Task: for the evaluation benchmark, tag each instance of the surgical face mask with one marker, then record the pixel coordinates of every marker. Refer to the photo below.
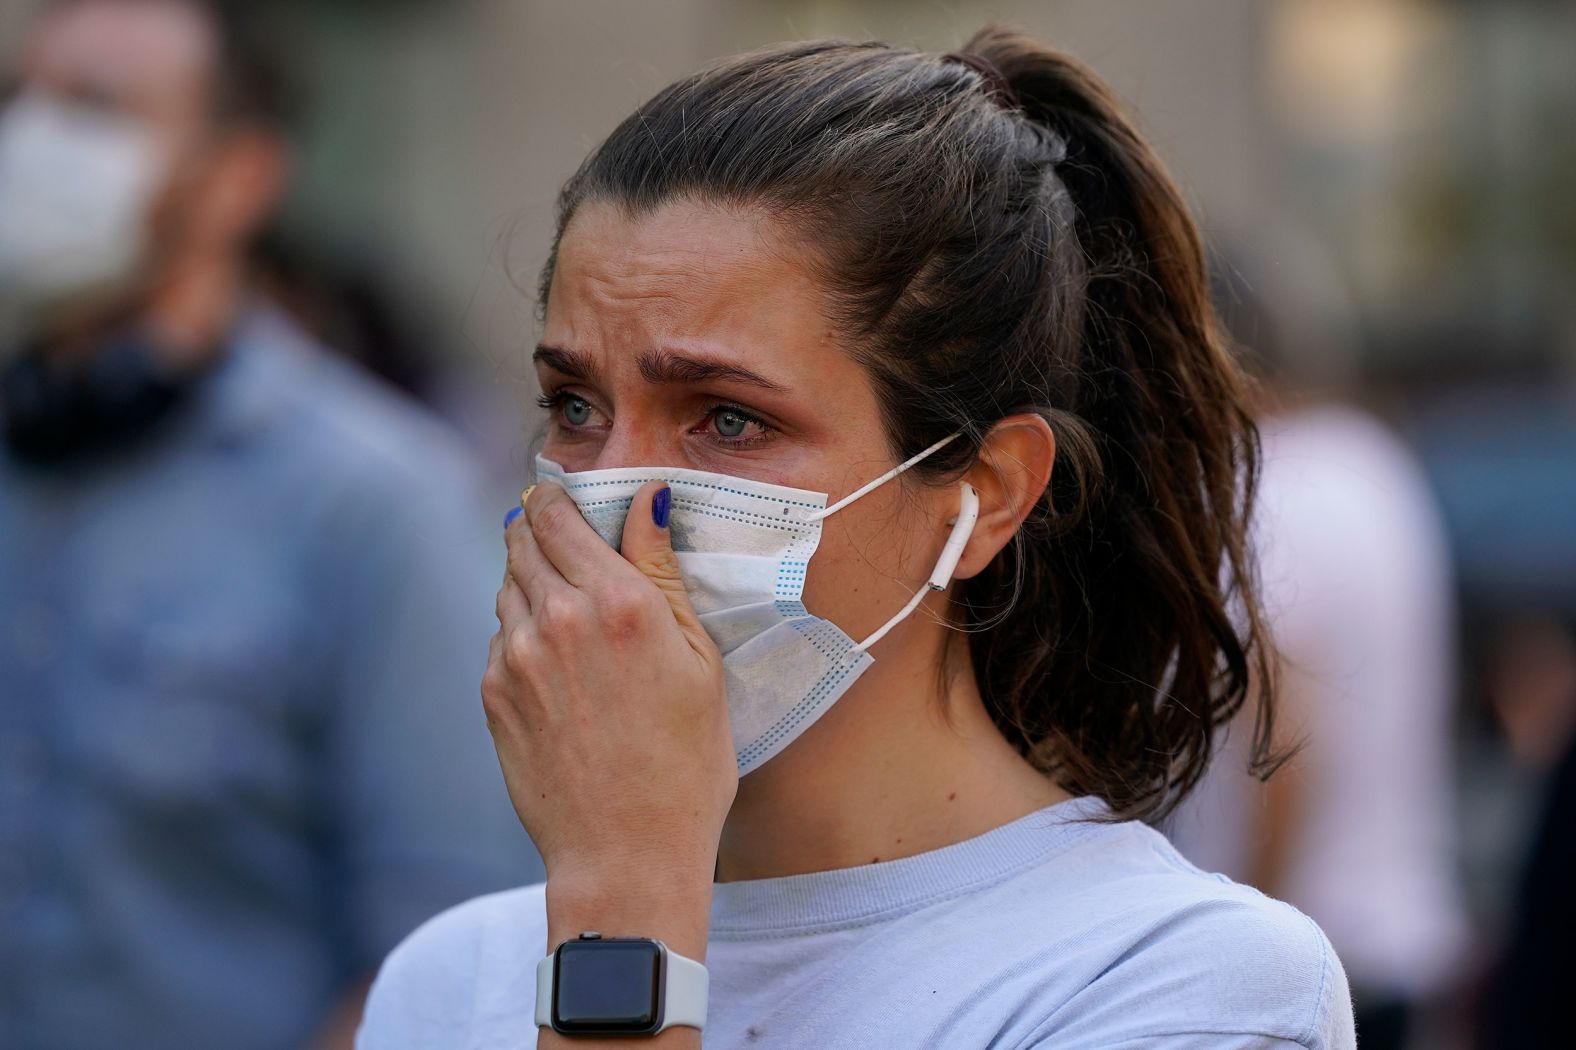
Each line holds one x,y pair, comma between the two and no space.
744,548
75,189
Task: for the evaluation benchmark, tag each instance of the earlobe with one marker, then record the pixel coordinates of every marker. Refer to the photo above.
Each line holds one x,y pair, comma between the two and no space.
1011,474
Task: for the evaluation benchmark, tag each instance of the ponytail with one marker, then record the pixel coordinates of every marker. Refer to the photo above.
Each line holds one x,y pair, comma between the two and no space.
1147,658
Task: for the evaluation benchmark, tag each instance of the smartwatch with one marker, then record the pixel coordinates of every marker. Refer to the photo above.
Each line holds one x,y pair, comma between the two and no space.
595,985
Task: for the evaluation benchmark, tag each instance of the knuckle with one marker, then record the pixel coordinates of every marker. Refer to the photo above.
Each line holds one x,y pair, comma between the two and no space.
516,562
495,695
625,611
554,518
517,652
560,618
661,565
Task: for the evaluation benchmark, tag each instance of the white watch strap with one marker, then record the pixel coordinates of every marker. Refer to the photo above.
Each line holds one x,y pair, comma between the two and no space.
688,992
689,989
544,993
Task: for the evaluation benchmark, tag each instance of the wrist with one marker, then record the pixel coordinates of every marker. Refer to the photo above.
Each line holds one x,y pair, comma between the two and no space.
672,907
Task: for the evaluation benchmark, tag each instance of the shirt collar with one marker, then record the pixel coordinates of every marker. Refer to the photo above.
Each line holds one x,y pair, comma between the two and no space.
248,386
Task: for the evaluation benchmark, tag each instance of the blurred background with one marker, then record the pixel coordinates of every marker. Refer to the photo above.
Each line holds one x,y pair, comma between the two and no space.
1386,186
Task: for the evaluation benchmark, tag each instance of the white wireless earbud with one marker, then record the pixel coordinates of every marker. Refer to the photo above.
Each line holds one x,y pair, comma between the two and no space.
962,529
946,565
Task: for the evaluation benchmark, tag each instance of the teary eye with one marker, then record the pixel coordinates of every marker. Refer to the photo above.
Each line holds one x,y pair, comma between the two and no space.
730,423
577,411
734,426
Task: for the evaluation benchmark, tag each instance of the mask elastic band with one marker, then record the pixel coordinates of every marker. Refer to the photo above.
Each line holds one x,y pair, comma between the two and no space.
871,486
946,565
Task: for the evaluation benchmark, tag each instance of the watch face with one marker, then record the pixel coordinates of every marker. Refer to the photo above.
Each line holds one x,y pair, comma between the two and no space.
607,986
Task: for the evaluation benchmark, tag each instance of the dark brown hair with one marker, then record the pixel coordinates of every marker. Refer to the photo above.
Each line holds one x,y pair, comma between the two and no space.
994,245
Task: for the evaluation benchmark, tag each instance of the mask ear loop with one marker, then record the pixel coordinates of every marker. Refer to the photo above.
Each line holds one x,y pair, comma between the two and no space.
946,565
870,486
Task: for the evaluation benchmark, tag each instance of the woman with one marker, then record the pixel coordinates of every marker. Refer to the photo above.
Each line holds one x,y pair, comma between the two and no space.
911,359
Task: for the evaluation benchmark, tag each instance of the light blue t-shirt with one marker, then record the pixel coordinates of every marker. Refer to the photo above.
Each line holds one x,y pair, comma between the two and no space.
1052,931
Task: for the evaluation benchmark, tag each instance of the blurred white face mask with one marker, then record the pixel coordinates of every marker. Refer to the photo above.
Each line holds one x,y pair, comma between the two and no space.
744,548
75,189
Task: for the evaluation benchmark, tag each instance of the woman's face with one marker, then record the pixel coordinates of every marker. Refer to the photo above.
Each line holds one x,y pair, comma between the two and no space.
696,336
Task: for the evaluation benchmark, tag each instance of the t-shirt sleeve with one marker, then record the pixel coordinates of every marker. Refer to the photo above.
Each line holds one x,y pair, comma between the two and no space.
423,820
475,960
1245,973
417,999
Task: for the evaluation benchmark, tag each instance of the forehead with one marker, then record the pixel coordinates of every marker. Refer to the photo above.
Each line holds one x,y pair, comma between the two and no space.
148,56
685,270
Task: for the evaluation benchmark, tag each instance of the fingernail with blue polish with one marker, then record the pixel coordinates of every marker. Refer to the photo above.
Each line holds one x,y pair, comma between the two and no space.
662,506
514,512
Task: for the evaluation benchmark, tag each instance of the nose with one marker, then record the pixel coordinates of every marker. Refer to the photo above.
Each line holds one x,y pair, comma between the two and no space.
631,444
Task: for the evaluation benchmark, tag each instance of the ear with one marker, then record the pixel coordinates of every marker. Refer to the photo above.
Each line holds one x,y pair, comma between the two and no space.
1013,468
242,188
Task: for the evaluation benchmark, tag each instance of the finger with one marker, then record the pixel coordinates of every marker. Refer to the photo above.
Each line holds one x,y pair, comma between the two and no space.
648,546
512,606
497,708
573,548
528,567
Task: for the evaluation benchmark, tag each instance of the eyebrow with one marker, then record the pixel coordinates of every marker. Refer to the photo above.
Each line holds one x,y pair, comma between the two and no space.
666,366
571,363
656,366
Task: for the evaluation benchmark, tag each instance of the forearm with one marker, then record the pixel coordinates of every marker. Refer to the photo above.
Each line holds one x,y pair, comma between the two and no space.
622,768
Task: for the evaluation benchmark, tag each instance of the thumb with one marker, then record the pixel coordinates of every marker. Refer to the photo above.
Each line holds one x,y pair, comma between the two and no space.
648,546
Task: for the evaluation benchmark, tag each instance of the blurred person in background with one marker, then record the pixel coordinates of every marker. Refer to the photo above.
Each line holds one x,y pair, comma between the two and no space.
245,592
1356,574
1531,684
352,302
1499,441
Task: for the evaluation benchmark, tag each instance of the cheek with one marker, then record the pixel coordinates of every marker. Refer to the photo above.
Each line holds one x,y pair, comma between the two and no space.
573,456
867,566
180,199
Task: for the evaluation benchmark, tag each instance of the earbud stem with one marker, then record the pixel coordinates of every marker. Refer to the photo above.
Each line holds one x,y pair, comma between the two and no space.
946,565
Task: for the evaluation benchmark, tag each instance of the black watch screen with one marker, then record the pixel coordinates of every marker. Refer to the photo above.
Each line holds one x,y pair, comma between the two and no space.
607,986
